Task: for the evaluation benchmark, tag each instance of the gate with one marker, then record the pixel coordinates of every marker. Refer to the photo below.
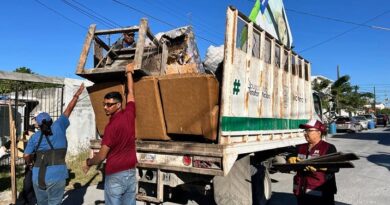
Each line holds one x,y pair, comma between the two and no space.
27,94
22,95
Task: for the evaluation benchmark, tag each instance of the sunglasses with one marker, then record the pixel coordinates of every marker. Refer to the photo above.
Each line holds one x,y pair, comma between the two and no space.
109,104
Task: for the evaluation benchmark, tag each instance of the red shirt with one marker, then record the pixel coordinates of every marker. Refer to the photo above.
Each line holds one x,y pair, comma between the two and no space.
119,136
325,182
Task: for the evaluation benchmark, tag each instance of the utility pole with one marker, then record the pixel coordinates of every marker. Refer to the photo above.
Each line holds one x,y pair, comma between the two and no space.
374,101
338,72
337,94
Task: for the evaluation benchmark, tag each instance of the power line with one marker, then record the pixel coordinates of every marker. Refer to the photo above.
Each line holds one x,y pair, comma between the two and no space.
343,33
58,13
99,15
157,19
339,20
88,14
204,27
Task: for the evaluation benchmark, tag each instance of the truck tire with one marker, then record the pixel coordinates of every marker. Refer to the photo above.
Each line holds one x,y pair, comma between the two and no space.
236,187
261,185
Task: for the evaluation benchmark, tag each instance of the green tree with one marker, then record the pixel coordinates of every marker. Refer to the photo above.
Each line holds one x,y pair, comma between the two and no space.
339,90
24,70
321,87
7,86
347,96
385,111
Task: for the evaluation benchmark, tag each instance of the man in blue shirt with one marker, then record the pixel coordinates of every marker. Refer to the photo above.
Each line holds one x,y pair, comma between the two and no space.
49,144
128,41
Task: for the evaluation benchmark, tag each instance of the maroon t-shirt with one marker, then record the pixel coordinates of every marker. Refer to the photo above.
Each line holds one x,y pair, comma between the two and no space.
119,136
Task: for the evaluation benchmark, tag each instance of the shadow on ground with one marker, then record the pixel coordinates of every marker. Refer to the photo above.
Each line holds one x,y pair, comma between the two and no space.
280,198
381,159
383,138
76,195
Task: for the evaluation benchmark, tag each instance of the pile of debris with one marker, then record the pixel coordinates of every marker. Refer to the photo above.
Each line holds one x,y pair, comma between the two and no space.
175,98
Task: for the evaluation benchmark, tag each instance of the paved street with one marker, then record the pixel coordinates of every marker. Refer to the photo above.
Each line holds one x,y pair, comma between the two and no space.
368,183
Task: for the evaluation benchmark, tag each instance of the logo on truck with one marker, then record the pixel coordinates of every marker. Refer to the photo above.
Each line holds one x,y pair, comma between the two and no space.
236,87
253,89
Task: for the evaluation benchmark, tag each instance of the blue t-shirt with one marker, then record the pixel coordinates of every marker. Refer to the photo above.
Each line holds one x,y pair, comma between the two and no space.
58,140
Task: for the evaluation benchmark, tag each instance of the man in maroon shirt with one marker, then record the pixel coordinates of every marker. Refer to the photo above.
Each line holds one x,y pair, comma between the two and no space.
118,147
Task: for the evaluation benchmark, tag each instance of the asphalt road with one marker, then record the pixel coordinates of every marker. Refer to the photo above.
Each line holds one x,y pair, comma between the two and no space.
367,183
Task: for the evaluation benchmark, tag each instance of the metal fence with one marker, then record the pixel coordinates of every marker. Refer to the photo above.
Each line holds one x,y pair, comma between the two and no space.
27,94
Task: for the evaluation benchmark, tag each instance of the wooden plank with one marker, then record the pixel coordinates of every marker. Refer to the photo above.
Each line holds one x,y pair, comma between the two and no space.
317,165
334,157
111,52
152,37
13,155
160,185
117,30
140,44
148,199
203,171
98,52
85,51
101,43
184,148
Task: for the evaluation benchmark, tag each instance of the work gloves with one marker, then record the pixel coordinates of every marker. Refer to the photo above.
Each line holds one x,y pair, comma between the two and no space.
293,160
310,169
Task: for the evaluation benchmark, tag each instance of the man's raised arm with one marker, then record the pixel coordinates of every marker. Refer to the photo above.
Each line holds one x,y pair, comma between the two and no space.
130,84
73,102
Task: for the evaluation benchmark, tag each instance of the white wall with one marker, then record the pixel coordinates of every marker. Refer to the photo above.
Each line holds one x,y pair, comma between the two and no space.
82,120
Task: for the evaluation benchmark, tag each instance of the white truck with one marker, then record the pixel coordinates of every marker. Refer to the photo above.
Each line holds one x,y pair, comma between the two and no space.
265,93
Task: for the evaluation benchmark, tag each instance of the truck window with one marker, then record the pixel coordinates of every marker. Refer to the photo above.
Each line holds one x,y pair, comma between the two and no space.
256,44
317,105
293,68
300,67
306,71
285,61
277,56
267,51
242,35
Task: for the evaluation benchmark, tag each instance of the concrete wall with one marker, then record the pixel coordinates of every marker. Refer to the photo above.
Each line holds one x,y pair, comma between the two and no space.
82,120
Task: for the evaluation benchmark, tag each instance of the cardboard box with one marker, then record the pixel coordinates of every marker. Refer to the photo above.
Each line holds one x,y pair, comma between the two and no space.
190,104
150,122
96,94
149,114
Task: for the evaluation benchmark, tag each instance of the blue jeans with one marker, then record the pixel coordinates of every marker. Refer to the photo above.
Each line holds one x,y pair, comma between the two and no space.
53,193
120,188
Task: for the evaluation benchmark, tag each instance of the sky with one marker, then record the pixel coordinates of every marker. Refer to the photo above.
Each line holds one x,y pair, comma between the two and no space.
47,35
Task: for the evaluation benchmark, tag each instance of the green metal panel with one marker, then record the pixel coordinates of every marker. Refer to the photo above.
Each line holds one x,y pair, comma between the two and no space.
258,124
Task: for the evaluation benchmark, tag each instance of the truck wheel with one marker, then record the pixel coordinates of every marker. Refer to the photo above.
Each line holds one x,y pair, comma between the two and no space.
235,188
261,185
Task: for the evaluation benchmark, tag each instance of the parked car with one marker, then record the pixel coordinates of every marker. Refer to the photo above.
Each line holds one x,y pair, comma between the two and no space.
372,118
362,121
382,119
348,124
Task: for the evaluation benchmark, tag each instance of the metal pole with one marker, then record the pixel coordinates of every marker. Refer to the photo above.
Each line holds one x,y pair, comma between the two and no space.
374,101
16,106
62,97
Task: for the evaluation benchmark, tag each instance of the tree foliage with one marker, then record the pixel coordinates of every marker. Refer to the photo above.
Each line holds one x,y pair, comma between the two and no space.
342,95
8,86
